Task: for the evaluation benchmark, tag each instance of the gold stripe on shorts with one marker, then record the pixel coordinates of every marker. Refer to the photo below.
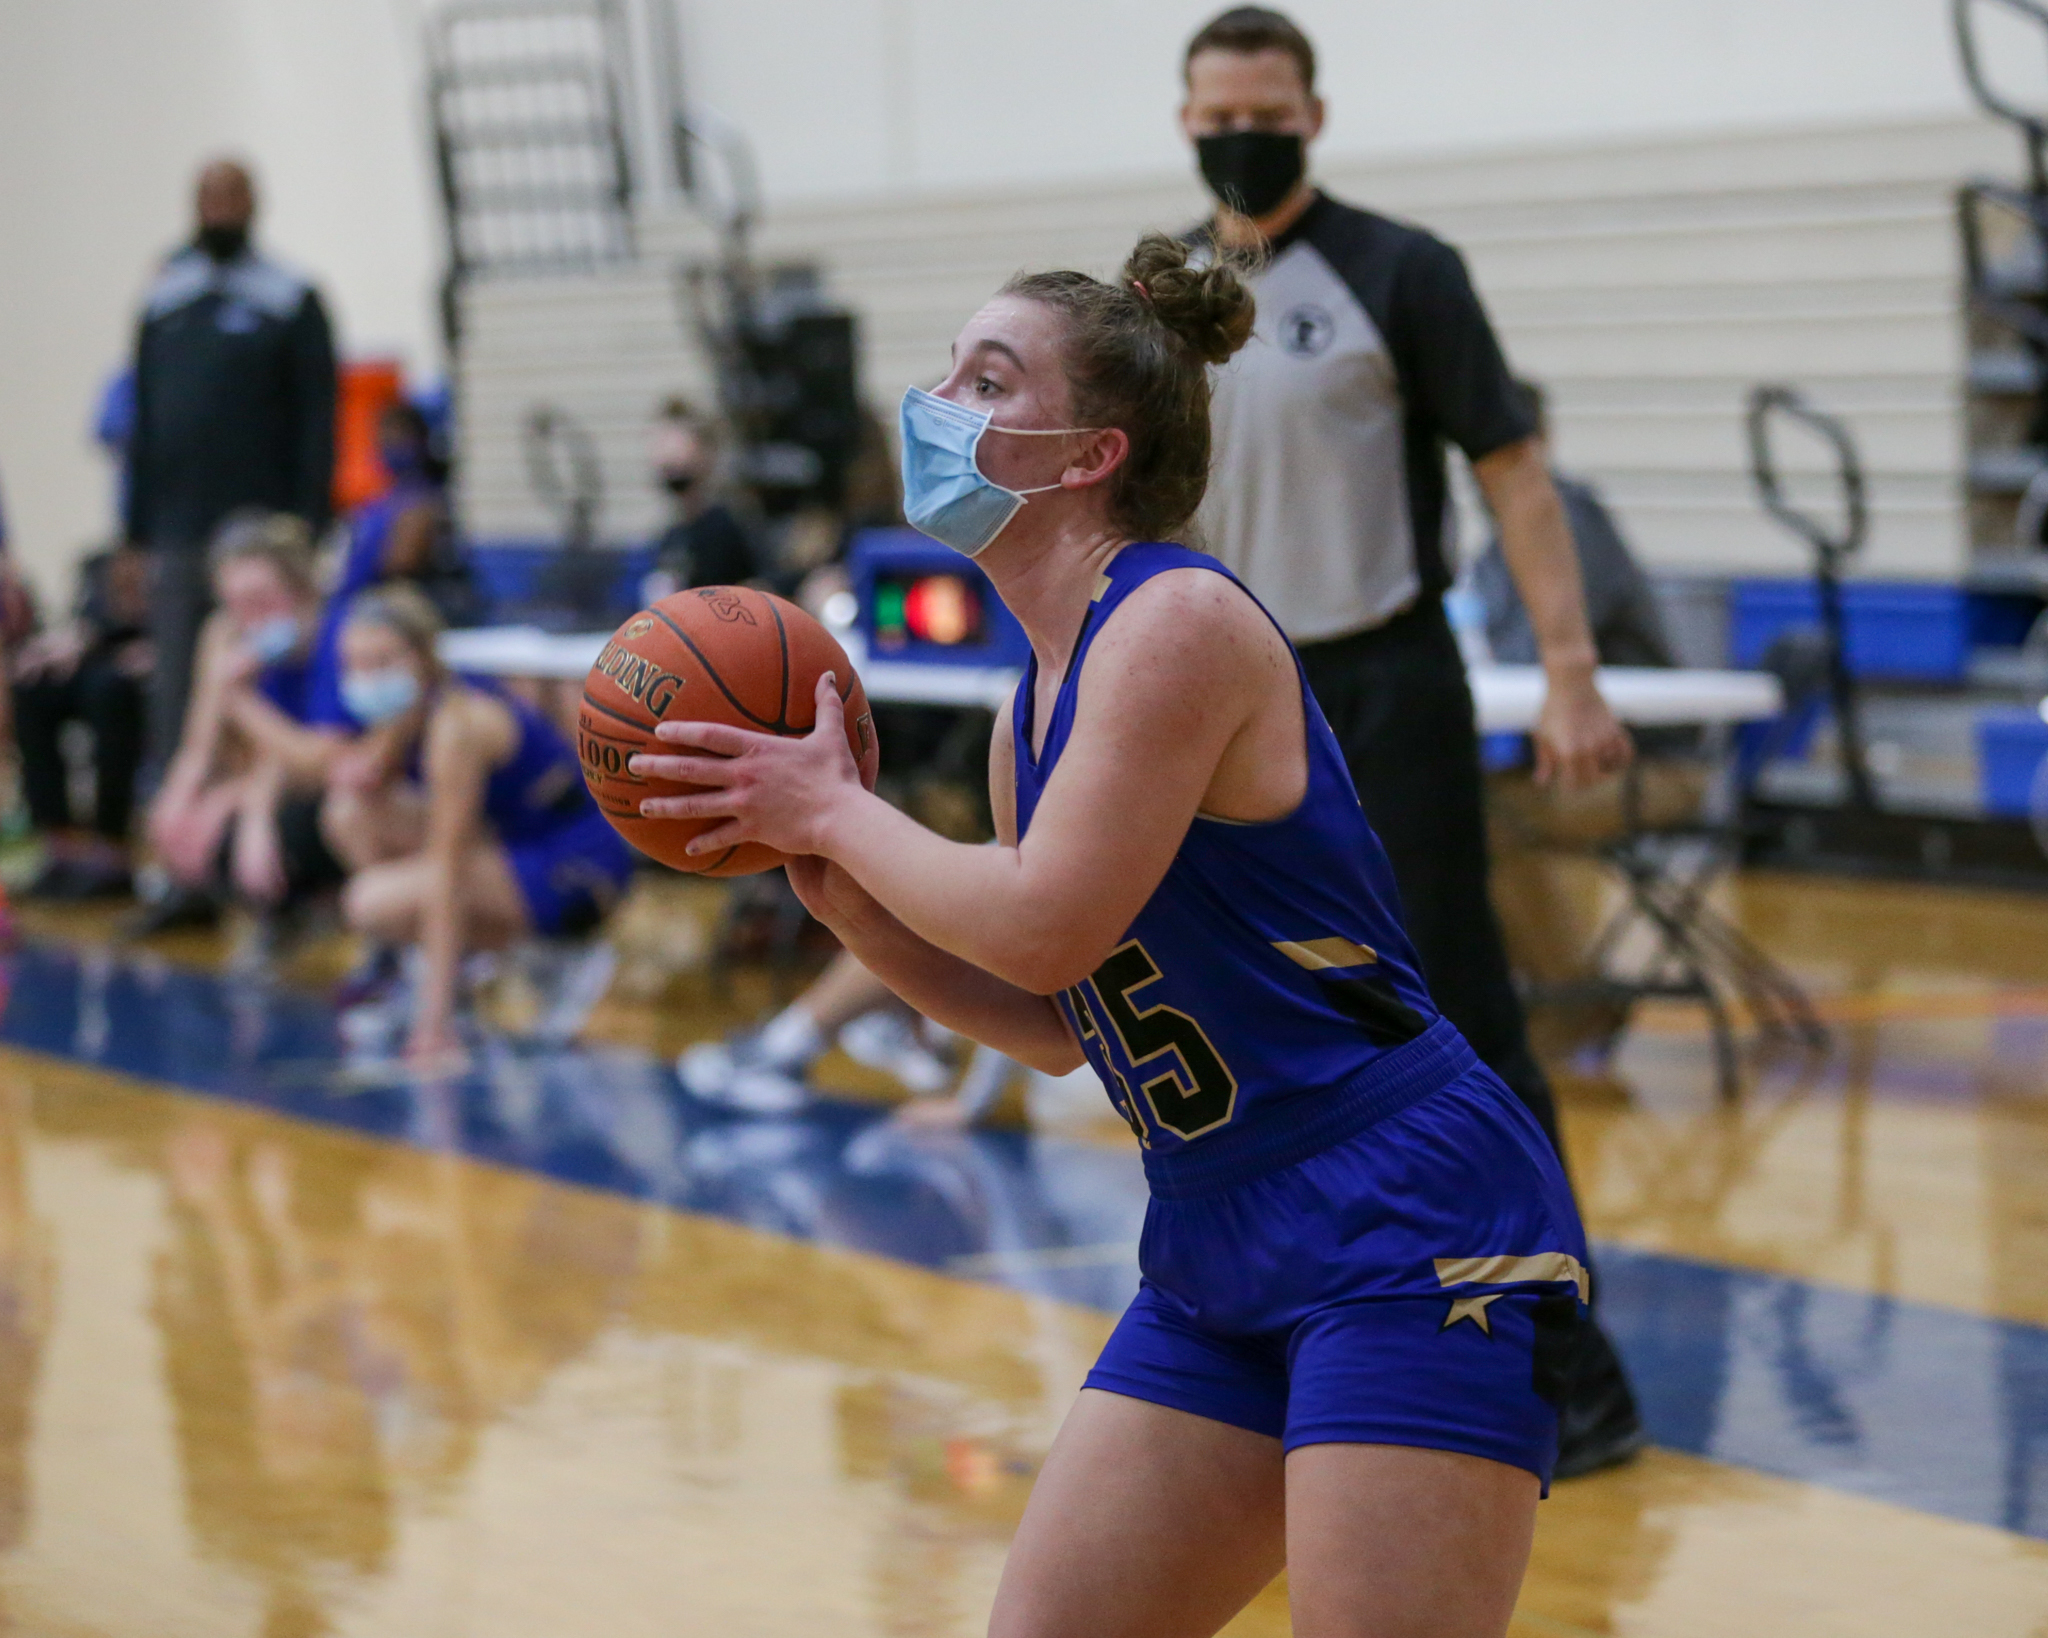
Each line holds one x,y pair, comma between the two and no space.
1545,1268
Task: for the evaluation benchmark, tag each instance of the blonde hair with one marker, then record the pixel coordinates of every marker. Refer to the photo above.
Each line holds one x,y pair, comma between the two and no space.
405,612
1135,353
276,538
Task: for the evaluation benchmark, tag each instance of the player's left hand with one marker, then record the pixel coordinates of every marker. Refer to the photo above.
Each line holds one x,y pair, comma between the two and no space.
831,894
1578,741
773,790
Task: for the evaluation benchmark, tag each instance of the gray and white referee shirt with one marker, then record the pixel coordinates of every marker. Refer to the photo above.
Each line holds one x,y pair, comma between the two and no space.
1327,494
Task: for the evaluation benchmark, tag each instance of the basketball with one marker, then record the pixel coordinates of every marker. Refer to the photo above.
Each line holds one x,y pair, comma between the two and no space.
716,654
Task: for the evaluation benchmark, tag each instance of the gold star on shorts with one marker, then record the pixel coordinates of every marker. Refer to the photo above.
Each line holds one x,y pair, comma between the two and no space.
1473,1309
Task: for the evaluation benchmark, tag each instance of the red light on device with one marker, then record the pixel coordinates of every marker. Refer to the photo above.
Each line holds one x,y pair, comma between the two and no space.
942,609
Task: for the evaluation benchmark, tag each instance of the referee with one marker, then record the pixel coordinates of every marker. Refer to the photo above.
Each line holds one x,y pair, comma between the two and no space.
1329,499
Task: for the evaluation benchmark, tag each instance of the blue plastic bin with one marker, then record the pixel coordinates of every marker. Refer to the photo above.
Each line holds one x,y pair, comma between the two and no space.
2002,619
1895,629
2010,745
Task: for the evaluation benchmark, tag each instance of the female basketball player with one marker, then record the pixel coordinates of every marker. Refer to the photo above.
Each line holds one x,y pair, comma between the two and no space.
265,721
1361,1262
462,815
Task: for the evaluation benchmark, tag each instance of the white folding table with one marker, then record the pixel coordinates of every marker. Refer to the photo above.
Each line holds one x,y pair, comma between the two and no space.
1701,955
1508,697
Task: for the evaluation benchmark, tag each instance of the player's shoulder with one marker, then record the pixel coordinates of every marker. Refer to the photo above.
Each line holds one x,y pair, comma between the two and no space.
1193,610
471,721
275,289
184,277
256,279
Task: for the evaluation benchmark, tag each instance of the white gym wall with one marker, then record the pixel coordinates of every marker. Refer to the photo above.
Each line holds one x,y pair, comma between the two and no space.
107,109
1571,145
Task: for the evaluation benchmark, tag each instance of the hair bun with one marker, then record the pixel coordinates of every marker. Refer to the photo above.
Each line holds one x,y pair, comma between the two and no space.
1210,308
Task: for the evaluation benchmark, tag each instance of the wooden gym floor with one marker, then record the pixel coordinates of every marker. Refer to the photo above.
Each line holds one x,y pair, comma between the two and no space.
293,1347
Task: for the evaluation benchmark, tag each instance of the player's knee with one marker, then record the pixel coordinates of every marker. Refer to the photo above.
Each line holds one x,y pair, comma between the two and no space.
380,903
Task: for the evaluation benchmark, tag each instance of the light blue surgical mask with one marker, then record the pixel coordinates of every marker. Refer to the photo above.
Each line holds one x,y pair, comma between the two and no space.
269,641
945,494
372,697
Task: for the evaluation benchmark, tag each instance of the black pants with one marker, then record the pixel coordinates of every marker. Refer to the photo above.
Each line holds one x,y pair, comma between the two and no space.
180,598
310,868
110,703
1398,702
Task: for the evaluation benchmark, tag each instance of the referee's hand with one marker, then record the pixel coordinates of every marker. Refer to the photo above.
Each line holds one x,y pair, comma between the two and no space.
1578,740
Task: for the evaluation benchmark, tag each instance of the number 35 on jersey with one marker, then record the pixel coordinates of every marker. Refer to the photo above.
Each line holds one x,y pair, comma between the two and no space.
1182,1083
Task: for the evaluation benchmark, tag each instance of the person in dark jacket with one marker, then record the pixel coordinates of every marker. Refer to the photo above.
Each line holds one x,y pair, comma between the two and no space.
90,671
234,408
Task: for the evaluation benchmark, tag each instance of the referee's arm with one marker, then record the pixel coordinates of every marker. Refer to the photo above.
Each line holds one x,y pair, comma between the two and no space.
1466,389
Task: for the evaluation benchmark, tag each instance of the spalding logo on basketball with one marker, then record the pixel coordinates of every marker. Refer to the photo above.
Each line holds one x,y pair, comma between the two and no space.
717,654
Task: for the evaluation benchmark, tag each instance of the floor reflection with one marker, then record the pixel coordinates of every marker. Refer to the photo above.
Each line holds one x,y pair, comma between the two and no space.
390,1377
798,1375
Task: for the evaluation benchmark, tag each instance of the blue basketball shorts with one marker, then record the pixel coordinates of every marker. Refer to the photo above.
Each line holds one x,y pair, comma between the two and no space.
571,876
1416,1283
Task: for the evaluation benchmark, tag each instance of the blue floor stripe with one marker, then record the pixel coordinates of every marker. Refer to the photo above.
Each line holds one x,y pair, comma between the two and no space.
1921,1406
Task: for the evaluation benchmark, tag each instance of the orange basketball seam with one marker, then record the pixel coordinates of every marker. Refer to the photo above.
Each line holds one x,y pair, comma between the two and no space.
616,792
782,641
711,671
617,716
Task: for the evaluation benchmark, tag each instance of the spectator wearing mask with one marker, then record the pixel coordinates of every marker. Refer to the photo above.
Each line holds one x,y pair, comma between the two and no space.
705,544
265,724
407,533
234,408
91,671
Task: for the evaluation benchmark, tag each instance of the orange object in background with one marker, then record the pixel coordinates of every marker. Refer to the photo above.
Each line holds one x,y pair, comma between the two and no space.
367,389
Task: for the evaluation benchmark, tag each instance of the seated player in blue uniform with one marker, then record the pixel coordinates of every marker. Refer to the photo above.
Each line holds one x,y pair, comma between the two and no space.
1361,1263
407,533
465,822
264,724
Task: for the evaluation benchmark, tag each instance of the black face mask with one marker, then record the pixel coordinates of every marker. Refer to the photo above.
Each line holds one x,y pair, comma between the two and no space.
224,244
1251,171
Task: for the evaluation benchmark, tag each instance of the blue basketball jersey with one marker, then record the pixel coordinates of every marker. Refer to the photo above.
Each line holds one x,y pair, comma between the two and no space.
537,790
1268,981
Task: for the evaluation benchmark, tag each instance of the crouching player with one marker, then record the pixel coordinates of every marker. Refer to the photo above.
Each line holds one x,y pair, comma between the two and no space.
464,820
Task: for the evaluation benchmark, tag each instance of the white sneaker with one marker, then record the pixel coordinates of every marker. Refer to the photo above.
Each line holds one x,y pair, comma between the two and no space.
571,979
376,1028
735,1074
886,1040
